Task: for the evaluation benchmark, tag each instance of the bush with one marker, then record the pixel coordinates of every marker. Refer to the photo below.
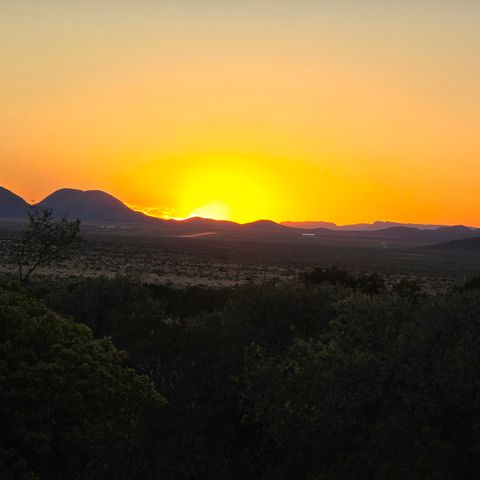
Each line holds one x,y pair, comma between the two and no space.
470,284
69,408
332,275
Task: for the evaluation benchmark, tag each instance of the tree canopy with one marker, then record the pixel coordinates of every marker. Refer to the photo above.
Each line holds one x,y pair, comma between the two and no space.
69,407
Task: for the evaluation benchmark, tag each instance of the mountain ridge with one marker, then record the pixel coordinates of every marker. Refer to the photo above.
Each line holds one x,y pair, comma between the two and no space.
376,225
91,206
97,206
471,245
12,206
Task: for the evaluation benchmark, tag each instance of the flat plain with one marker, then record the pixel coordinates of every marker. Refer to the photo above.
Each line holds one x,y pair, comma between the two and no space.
226,261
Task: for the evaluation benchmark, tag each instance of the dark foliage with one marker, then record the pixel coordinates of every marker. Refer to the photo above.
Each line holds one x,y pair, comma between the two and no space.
331,275
368,283
69,408
472,283
334,377
407,288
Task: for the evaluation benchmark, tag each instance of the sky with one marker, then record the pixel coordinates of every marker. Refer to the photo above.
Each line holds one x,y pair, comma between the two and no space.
345,111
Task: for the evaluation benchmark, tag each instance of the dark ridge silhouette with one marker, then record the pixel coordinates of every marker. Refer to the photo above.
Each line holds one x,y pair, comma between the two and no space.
92,206
206,222
97,207
464,245
375,226
311,225
265,226
458,229
12,206
409,234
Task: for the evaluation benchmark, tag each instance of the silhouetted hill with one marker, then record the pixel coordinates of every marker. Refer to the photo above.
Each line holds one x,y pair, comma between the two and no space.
206,222
457,230
465,245
381,225
92,206
409,234
12,206
265,226
364,227
95,206
311,225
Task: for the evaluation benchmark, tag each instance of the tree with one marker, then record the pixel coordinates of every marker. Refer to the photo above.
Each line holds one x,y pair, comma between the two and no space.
69,407
333,275
407,288
471,284
44,239
391,391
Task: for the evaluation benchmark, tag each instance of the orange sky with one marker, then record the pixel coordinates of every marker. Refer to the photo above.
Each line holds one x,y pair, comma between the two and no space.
288,110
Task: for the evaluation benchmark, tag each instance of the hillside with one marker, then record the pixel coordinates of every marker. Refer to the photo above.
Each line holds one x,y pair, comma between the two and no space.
375,226
12,206
92,206
464,245
409,234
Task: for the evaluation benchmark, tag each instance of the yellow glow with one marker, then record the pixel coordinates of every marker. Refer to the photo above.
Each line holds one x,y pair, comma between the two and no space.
347,114
224,188
215,210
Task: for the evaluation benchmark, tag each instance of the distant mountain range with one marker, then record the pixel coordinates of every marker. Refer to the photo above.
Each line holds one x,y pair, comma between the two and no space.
471,245
378,225
99,208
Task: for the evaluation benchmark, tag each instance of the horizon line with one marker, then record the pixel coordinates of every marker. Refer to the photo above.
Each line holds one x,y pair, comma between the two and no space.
145,211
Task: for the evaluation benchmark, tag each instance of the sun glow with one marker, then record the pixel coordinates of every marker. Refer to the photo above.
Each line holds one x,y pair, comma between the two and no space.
346,114
225,189
215,210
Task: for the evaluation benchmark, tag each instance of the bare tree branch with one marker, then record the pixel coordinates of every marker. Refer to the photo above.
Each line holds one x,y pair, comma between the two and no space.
44,239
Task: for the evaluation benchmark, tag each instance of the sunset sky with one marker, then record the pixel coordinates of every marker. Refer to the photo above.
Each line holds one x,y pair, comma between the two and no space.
343,111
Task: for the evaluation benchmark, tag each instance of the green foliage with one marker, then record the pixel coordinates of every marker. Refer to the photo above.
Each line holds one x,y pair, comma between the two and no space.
274,316
340,377
391,391
69,408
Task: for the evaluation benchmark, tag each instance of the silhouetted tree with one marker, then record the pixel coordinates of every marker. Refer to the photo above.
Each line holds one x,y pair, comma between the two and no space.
44,239
332,275
407,288
371,283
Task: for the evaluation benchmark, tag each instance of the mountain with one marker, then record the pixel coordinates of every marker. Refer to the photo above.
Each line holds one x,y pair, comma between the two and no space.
209,223
12,206
409,234
265,226
92,206
381,225
311,225
378,225
95,206
464,245
205,222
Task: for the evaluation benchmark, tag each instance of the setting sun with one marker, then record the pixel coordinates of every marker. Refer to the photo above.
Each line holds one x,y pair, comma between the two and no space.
284,110
240,240
224,188
215,210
